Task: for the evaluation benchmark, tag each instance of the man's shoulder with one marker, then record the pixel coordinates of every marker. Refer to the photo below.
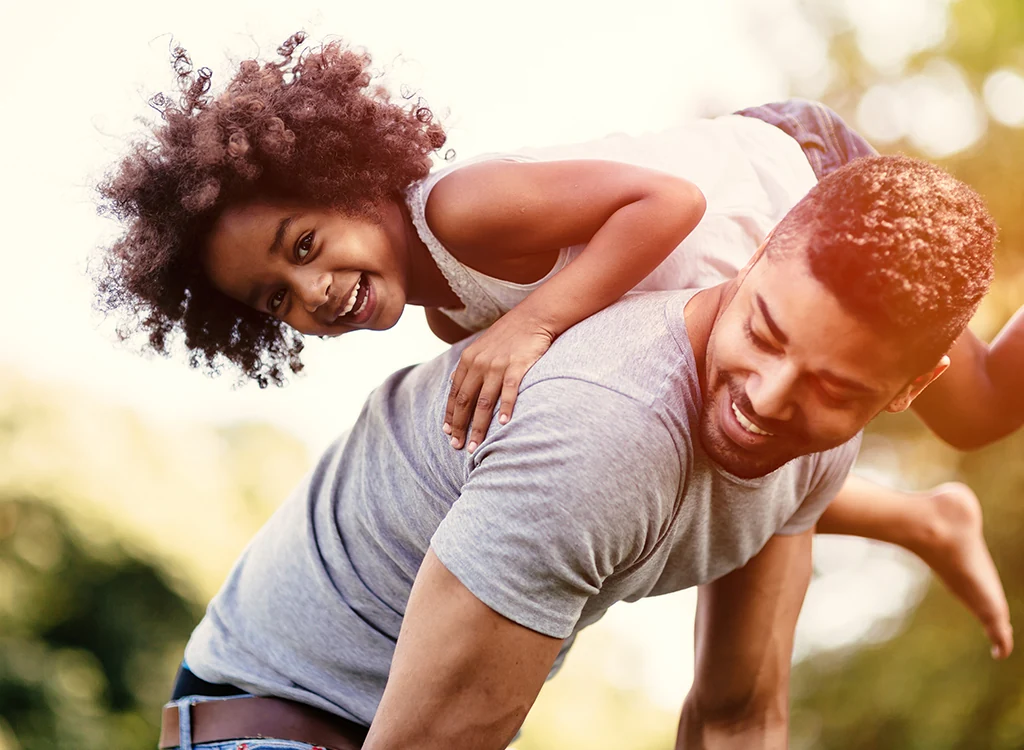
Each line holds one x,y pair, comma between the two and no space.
836,463
632,348
841,457
814,470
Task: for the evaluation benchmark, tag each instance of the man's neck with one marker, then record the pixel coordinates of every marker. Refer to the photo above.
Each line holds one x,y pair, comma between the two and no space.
700,314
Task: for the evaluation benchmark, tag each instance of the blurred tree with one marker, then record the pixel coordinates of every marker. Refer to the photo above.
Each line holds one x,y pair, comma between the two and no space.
90,635
98,590
917,78
933,685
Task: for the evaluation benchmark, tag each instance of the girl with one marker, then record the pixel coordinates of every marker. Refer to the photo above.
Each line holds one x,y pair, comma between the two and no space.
300,201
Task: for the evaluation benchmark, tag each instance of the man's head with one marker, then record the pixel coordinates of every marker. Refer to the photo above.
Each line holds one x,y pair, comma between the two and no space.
848,311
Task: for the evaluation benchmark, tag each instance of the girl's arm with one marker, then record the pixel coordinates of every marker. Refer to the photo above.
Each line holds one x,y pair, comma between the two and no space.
444,327
980,398
496,214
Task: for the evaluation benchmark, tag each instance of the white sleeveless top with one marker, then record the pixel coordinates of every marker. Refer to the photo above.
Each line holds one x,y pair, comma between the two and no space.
751,174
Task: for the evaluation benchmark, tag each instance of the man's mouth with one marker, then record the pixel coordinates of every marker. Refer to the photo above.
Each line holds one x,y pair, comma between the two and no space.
740,429
746,424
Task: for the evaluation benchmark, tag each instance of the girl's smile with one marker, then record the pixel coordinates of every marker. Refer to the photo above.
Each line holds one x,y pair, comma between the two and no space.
320,271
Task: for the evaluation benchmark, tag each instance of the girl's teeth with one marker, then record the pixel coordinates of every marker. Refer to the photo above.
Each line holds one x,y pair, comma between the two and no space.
351,301
363,305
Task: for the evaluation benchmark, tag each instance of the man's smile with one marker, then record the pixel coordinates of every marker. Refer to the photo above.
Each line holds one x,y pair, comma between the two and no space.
739,428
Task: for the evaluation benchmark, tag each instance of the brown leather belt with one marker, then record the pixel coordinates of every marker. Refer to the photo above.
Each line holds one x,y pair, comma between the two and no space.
262,718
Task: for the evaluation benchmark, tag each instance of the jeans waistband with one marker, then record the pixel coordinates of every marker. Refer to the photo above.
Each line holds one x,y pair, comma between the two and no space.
827,141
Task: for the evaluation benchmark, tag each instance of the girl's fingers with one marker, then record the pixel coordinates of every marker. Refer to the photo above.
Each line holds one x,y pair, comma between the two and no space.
449,410
510,391
465,399
485,403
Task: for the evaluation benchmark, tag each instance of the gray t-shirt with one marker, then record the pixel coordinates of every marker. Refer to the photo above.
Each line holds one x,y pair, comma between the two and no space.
595,492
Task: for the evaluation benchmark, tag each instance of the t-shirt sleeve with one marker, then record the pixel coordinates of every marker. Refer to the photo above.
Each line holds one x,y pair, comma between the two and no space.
580,484
832,469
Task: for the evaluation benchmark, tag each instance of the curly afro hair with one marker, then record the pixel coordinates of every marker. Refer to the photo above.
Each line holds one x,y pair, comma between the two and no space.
308,127
901,244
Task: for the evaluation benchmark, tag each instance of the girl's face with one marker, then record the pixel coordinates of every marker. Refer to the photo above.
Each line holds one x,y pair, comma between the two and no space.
322,272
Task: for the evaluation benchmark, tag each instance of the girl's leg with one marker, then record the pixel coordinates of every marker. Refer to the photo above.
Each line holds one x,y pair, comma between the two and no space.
942,526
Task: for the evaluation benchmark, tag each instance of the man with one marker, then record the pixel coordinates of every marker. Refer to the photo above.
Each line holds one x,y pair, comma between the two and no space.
673,440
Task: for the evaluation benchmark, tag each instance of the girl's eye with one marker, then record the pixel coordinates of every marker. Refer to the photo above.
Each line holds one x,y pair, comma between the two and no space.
275,301
304,246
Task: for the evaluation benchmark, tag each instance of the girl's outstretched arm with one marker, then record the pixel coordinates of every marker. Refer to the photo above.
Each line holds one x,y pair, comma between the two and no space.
980,398
499,216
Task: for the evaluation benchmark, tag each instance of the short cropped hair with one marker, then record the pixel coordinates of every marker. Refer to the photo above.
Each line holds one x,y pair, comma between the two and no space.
901,243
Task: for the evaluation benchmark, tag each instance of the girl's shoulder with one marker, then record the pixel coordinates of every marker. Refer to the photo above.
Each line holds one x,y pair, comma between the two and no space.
424,186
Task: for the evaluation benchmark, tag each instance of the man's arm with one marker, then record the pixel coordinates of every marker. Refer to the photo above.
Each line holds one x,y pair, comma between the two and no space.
463,676
744,644
579,486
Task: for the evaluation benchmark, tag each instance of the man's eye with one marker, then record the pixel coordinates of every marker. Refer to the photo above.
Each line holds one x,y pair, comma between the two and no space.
304,246
759,342
275,301
834,398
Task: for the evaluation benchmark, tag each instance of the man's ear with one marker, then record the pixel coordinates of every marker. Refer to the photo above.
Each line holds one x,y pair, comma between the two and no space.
913,389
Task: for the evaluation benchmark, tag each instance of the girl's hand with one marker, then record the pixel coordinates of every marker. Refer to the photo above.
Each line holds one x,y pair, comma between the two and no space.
489,373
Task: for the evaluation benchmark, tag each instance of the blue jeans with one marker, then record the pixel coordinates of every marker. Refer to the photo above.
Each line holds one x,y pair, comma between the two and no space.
185,732
827,141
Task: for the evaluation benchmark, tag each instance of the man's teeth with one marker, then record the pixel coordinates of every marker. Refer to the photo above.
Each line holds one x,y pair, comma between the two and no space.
351,300
747,424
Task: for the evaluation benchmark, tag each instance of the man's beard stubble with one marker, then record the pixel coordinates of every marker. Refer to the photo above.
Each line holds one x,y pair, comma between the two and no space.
724,452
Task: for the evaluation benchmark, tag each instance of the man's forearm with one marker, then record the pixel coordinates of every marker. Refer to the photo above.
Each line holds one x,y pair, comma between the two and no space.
744,643
761,728
462,676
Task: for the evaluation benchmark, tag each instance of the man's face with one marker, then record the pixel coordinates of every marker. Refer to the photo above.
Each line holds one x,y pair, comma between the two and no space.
790,372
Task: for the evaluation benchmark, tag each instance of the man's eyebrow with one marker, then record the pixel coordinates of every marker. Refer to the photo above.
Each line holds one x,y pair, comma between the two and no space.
770,322
842,382
275,247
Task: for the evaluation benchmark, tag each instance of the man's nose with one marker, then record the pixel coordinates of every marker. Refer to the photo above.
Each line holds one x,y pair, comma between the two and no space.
770,392
314,290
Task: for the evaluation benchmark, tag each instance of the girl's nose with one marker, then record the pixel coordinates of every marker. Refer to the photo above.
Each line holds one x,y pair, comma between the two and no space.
314,290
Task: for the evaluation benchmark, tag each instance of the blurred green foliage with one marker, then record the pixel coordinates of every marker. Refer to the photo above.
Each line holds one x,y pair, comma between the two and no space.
114,533
89,635
95,505
931,687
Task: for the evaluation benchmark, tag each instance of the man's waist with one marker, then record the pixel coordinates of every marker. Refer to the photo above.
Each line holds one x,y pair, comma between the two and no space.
250,717
214,712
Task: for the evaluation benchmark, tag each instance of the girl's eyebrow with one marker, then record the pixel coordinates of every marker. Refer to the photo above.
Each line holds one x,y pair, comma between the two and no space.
282,228
255,293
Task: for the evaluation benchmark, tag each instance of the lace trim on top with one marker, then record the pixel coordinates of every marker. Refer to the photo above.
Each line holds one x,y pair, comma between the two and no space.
479,309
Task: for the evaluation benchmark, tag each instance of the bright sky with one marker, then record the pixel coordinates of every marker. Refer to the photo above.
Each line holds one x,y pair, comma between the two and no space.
535,72
543,74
